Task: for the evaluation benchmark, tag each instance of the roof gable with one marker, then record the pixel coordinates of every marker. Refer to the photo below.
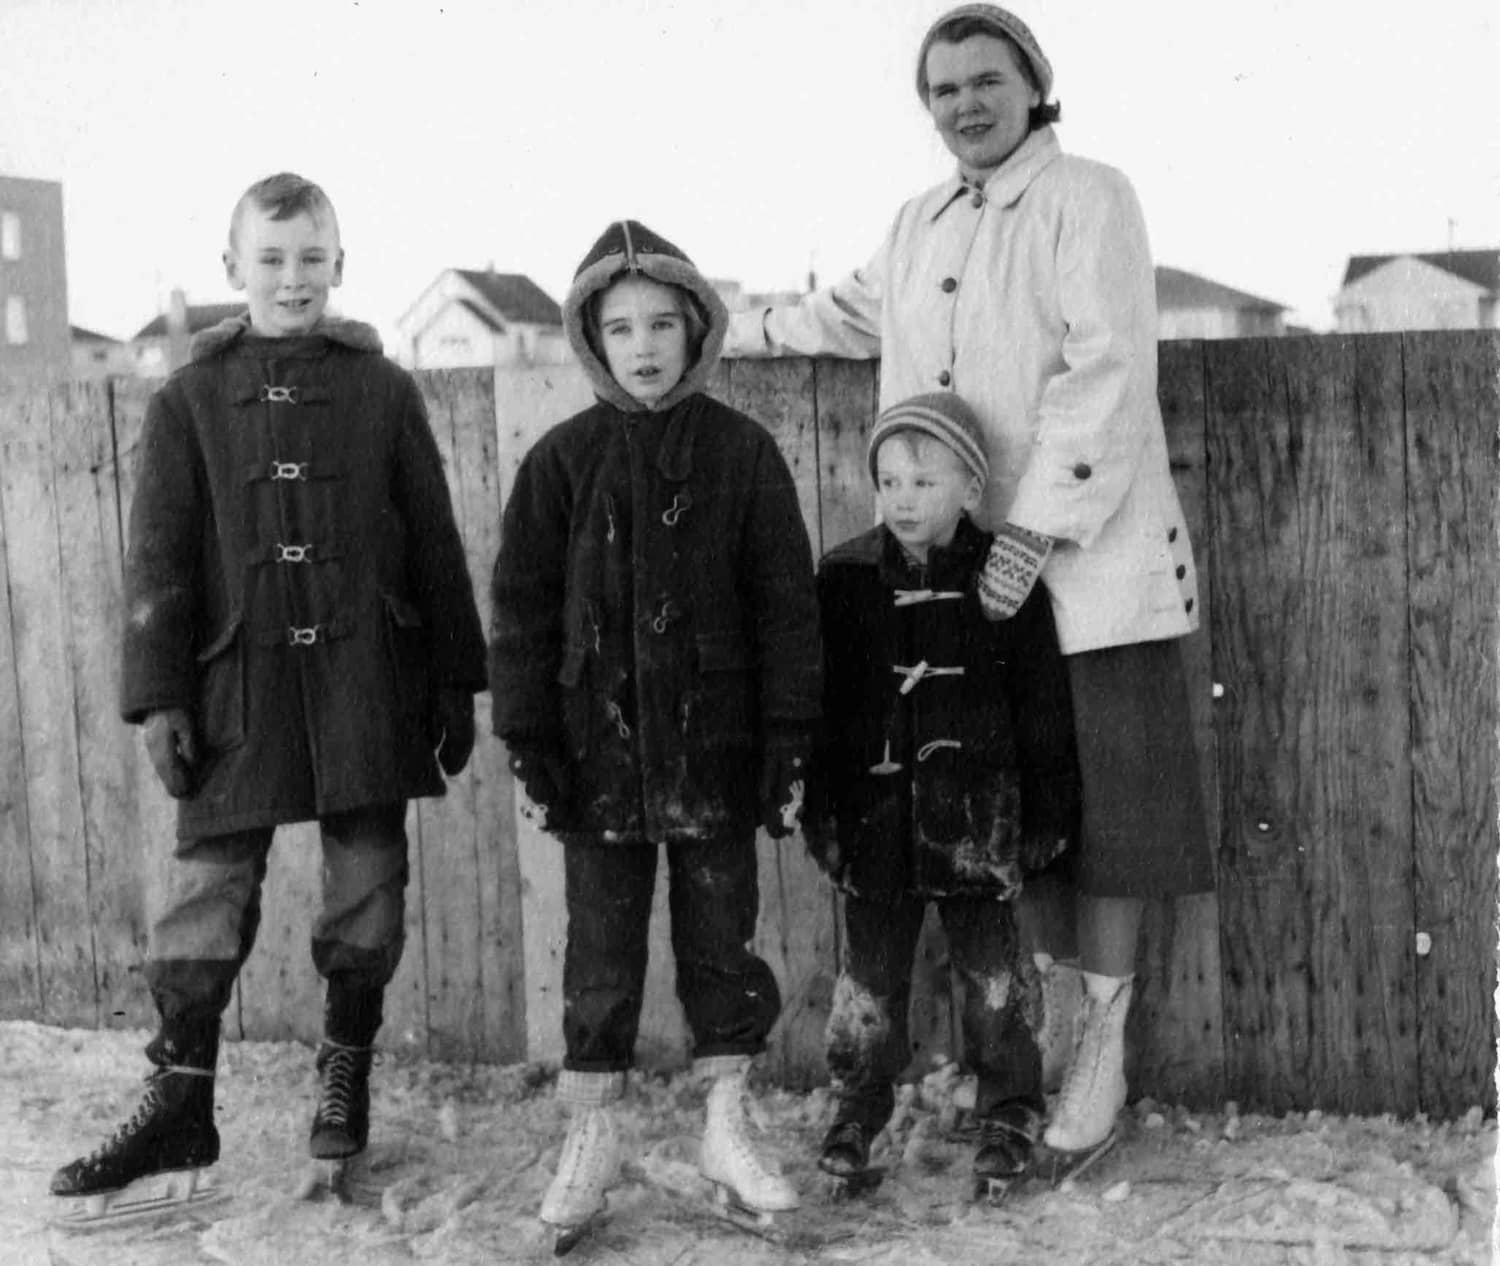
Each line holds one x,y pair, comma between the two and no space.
1176,288
515,296
200,316
1482,268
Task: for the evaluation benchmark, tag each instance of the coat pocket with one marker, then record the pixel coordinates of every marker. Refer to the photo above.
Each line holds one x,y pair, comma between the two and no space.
221,688
722,714
406,645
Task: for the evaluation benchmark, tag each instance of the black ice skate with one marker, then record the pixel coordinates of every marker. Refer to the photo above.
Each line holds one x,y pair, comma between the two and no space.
1007,1142
341,1125
152,1164
845,1158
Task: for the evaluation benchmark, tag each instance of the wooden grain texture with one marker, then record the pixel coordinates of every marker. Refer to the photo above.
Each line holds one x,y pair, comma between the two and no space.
49,735
90,575
20,966
1176,1039
796,932
1307,565
1452,416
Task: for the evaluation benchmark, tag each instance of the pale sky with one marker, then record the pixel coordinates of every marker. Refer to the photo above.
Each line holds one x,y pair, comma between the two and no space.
1267,141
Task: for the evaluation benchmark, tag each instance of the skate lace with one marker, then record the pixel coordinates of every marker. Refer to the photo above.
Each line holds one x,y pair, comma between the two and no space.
151,1102
338,1075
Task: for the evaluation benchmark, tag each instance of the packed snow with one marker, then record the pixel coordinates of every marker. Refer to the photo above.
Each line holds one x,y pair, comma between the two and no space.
460,1157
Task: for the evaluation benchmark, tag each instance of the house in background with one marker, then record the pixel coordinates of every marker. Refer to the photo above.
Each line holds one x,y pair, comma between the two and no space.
98,356
34,338
161,345
738,299
467,317
1444,290
1190,306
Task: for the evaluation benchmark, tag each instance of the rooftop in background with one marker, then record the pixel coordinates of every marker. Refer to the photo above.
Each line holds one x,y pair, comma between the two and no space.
515,295
199,317
1480,267
1178,289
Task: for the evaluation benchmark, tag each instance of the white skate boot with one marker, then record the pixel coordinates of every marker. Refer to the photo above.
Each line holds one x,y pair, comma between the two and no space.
589,1165
1094,1090
1062,1011
744,1184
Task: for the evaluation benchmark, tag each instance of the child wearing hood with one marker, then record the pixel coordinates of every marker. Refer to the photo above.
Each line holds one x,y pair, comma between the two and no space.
656,672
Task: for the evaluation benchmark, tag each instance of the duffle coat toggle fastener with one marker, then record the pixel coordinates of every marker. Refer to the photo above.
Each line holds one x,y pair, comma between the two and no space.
277,395
923,669
914,597
288,470
293,553
680,502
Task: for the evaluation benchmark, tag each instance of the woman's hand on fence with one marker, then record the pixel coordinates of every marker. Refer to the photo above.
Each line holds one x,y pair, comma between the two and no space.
455,727
1015,561
173,749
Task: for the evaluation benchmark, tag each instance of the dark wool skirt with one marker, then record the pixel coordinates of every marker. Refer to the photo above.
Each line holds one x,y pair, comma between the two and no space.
1145,832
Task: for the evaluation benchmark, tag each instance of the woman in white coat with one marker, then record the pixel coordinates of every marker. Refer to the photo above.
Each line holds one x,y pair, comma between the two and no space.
1025,284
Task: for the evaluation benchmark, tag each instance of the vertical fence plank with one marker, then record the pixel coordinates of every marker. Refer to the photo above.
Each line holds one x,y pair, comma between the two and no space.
48,733
796,928
20,972
1453,413
472,904
1176,1035
1307,555
90,571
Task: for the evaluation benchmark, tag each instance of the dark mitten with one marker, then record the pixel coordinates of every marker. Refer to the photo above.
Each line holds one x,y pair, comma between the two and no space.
1015,561
543,771
455,726
783,779
173,750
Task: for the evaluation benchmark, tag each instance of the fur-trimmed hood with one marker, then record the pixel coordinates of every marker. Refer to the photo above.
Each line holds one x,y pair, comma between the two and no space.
627,246
355,334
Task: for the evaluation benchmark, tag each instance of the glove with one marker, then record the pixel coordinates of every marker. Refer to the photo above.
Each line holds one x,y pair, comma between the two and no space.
173,750
1009,572
455,727
783,779
543,771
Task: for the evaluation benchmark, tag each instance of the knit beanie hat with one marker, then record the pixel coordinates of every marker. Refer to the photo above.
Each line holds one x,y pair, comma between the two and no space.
1001,22
629,248
941,415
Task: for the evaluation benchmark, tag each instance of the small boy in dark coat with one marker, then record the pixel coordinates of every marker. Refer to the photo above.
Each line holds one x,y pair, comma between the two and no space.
655,674
945,773
301,641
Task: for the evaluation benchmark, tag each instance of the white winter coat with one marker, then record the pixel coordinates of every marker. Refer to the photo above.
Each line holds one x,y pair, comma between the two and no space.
1033,299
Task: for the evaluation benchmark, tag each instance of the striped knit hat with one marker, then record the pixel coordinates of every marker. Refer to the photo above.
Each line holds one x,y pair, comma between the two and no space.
941,415
1001,22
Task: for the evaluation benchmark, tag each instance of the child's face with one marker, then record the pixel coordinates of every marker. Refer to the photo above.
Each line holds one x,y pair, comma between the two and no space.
921,488
644,337
286,269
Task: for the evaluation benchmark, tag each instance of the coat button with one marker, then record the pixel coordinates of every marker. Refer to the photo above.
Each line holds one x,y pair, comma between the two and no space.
950,284
1082,471
977,201
1188,606
1181,572
944,378
1171,535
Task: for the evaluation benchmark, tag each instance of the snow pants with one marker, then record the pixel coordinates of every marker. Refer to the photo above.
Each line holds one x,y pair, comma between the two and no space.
867,1042
728,994
212,912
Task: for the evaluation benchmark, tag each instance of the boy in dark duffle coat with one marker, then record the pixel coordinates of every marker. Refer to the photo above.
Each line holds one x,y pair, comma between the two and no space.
946,771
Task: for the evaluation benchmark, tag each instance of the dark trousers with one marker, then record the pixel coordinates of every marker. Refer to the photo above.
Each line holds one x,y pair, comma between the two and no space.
867,1041
728,994
212,912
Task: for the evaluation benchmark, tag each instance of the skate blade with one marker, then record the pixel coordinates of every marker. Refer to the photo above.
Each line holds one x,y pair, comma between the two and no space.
338,1178
566,1238
996,1191
144,1200
728,1206
1058,1167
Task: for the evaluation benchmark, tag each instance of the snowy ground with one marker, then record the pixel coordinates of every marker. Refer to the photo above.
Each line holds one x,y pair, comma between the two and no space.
460,1156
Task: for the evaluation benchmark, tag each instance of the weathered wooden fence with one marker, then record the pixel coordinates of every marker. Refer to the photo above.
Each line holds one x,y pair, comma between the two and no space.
1341,493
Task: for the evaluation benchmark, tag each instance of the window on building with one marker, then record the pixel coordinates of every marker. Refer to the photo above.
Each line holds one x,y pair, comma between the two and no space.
10,235
15,319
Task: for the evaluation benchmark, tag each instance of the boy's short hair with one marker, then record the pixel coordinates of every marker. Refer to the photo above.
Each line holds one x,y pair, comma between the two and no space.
282,196
693,316
942,416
